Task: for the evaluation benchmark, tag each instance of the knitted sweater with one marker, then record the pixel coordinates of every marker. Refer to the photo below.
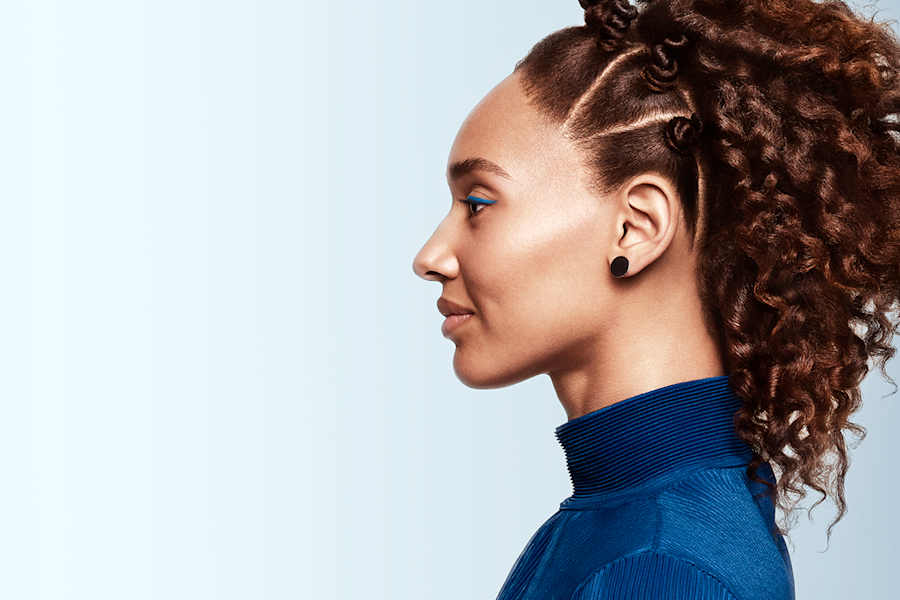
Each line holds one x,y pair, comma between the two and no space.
662,508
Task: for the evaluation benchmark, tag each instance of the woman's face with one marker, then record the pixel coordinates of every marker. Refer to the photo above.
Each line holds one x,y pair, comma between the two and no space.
525,279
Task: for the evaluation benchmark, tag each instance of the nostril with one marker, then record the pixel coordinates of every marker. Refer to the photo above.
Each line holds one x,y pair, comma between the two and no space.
433,276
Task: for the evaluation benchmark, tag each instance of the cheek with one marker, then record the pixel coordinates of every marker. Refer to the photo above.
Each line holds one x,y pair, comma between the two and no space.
539,270
540,292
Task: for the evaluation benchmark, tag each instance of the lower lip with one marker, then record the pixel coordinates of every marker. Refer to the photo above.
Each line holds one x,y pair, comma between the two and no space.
452,322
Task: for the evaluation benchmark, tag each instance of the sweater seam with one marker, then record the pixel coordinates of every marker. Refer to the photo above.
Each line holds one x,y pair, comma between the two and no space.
621,559
626,497
657,524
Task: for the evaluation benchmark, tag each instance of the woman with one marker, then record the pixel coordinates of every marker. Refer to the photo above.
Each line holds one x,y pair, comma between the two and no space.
688,216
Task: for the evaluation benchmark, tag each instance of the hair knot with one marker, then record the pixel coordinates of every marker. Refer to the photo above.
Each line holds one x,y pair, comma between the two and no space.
662,71
682,133
609,20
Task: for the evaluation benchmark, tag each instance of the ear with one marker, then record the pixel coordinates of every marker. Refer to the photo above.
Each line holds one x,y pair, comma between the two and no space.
647,217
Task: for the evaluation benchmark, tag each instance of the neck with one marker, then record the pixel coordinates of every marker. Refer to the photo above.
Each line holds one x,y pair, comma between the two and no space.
656,338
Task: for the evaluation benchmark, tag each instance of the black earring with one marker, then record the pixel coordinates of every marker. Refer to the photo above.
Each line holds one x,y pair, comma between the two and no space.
619,266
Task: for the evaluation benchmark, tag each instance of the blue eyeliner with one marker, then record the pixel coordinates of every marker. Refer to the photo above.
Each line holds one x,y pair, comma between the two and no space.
478,200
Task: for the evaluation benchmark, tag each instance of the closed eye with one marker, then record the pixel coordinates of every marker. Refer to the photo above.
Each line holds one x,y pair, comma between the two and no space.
475,204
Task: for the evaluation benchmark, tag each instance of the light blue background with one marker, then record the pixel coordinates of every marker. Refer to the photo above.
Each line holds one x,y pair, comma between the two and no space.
219,377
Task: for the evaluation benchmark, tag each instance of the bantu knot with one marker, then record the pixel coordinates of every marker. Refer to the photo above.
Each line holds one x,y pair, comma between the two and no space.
609,20
660,74
682,133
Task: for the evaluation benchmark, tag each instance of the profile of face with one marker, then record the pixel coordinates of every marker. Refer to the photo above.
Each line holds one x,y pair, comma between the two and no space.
524,254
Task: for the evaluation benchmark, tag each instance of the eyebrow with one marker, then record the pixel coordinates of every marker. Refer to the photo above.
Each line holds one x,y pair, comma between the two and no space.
464,167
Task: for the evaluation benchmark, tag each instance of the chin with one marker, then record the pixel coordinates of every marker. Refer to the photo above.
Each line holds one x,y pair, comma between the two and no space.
484,375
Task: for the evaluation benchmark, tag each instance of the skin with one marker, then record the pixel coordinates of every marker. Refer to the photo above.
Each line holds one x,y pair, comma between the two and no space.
533,269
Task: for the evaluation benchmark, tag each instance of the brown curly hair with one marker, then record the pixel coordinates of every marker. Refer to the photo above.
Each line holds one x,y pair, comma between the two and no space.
777,121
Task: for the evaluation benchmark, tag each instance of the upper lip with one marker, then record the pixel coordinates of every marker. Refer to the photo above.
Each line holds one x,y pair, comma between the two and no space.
448,307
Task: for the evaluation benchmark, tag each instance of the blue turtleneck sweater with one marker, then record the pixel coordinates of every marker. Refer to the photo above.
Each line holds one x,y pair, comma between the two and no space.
662,508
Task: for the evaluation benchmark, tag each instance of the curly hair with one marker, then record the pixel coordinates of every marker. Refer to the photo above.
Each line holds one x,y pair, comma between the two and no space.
777,121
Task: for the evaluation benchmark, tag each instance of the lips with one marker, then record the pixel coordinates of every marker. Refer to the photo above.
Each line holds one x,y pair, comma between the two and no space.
456,315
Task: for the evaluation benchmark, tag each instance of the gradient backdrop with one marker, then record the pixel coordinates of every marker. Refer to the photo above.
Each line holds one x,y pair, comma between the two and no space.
219,377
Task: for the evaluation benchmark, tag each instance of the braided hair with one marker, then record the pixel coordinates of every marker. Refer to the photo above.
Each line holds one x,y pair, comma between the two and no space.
777,121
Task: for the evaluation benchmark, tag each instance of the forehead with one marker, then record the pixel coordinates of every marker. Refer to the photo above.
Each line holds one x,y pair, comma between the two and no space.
506,129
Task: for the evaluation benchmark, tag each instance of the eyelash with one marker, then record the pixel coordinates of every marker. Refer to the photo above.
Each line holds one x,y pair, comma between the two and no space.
473,201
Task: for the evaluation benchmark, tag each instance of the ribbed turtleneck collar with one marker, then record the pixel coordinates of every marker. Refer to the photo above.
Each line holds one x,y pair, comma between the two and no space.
650,440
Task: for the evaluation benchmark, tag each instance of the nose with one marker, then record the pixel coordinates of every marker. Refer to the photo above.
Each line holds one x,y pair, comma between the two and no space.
436,261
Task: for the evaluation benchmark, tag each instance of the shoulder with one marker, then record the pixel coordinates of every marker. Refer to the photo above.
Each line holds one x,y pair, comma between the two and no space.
713,520
652,575
704,536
